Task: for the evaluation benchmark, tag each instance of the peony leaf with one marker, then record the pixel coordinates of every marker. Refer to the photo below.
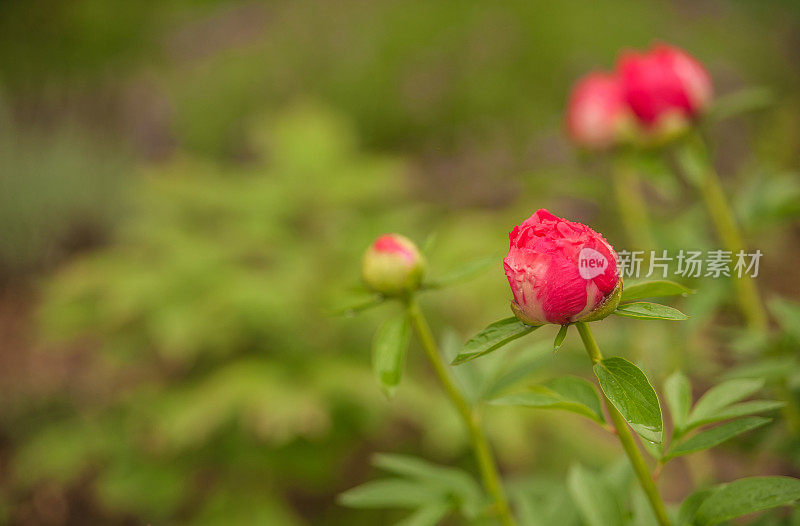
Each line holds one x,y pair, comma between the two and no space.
736,410
454,480
567,393
787,314
389,352
463,273
428,515
543,503
649,311
492,338
513,370
356,302
389,493
627,387
678,393
721,396
458,486
562,334
715,436
690,505
745,496
770,369
593,497
654,289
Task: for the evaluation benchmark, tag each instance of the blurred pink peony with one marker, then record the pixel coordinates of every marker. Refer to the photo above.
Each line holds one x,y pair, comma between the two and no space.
560,271
392,265
665,86
597,115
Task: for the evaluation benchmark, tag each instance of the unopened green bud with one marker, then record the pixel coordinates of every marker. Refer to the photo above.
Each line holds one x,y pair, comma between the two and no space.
392,265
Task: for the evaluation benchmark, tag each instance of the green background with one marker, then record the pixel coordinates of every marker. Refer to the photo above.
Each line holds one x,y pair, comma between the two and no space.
186,189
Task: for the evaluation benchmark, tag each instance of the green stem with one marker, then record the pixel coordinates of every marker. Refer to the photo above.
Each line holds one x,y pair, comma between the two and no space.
700,170
626,437
696,164
635,219
483,454
631,204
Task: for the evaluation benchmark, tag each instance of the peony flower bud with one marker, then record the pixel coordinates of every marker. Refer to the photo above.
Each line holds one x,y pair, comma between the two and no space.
560,271
597,115
392,265
665,87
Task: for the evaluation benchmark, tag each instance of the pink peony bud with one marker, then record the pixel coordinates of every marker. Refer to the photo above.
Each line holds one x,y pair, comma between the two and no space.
392,265
664,87
560,271
597,115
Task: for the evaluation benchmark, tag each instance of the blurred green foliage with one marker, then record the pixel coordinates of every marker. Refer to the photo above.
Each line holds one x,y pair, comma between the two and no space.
257,149
213,387
200,310
59,192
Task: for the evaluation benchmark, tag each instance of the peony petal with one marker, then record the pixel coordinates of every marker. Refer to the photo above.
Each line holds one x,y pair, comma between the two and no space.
542,268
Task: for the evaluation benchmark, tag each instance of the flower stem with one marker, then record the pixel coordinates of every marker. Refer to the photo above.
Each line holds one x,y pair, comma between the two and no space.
635,219
698,167
696,163
626,437
483,454
631,204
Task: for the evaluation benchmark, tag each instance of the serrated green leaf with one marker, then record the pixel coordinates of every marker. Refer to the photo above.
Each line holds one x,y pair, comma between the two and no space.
389,493
562,333
737,410
389,352
593,497
678,392
715,436
492,338
720,396
745,496
428,515
628,388
463,273
654,289
568,393
650,311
